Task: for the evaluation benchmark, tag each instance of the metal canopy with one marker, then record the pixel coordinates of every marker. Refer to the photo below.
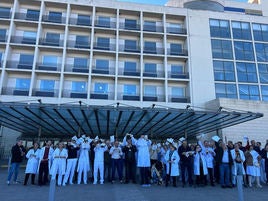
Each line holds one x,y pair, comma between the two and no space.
158,122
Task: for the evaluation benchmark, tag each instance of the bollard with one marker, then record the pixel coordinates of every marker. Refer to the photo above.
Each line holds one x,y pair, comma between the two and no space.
52,187
240,187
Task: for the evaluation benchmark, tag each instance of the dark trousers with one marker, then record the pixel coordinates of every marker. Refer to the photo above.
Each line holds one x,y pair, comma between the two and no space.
130,167
27,175
189,168
144,172
107,168
200,179
43,174
217,172
211,176
116,164
174,179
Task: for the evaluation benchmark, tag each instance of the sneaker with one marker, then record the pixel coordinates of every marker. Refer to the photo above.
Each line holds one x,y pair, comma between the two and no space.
16,182
94,182
8,182
143,185
71,183
259,186
101,183
63,184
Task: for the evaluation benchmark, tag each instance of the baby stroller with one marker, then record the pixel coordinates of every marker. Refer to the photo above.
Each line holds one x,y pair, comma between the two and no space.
156,173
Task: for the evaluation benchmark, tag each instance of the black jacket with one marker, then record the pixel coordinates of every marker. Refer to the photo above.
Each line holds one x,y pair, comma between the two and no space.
183,158
130,153
219,154
17,154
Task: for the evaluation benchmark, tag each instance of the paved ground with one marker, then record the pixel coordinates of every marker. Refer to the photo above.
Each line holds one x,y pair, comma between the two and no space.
122,192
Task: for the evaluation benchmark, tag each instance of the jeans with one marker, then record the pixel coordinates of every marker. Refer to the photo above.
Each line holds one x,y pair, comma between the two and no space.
13,169
187,166
225,174
144,173
116,164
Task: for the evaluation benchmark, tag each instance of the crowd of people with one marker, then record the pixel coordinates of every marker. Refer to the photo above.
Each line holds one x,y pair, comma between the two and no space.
84,160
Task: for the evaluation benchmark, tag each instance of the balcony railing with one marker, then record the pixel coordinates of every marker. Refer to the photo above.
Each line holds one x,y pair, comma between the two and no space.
45,93
148,50
154,98
159,74
23,40
149,28
67,93
178,75
104,46
103,70
53,19
19,65
179,99
27,16
79,22
48,67
105,24
49,42
15,91
102,95
181,52
134,49
122,71
77,44
76,68
174,30
6,15
133,27
3,38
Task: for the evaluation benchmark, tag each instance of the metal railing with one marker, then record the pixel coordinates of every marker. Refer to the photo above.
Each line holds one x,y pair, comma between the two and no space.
181,52
79,22
27,16
53,19
48,67
45,93
50,42
77,44
23,40
19,65
104,46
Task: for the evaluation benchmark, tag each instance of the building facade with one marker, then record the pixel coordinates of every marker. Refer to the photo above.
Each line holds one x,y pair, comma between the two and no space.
102,52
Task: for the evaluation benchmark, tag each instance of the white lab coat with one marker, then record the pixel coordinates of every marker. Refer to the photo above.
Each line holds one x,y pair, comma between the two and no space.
143,152
42,152
174,165
99,163
33,161
197,163
234,169
59,164
83,161
209,154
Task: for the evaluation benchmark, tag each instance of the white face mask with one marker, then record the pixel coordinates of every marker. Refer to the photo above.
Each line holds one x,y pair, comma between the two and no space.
198,149
154,147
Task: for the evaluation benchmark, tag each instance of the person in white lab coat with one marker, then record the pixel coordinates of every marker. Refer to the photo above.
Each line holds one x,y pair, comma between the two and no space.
32,164
83,160
200,166
172,159
99,161
143,145
59,163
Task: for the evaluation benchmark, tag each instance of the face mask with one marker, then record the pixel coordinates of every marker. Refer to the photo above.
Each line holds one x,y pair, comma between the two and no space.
198,149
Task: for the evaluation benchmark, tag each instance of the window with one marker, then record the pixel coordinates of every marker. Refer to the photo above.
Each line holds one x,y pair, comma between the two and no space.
103,43
244,51
79,86
82,42
150,47
150,68
3,35
129,89
1,55
55,17
49,60
32,15
130,66
29,37
23,83
131,24
101,88
52,39
241,30
260,32
102,64
226,91
47,85
80,62
263,73
150,90
103,21
264,91
149,26
4,12
131,45
219,28
246,72
83,20
224,71
175,49
175,28
249,92
177,92
177,71
222,49
26,59
261,52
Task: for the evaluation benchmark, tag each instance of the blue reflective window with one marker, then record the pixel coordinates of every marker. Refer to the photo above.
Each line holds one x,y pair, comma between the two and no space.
102,64
177,69
264,91
150,67
263,73
244,51
177,92
47,85
103,43
29,37
4,12
83,20
261,52
149,47
175,28
104,21
3,33
32,15
249,92
50,60
223,71
241,30
175,49
79,86
225,90
149,26
222,49
260,32
23,83
131,24
219,28
55,16
246,72
131,45
129,89
130,66
150,90
80,62
82,41
53,38
101,88
26,59
1,55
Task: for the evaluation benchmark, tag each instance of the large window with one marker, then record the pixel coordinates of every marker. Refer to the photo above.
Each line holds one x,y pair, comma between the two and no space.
260,32
246,72
224,71
4,12
225,90
149,47
175,49
29,37
1,55
219,28
55,16
175,28
102,64
130,89
3,35
130,66
103,43
249,92
178,92
82,42
47,85
50,60
261,52
150,90
150,69
104,21
101,88
79,86
32,15
241,30
26,59
177,69
149,26
131,45
52,38
263,73
80,62
83,20
23,83
131,24
222,49
264,91
244,51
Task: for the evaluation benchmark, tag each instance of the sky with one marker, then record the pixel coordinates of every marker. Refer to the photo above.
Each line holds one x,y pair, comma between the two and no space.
161,2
